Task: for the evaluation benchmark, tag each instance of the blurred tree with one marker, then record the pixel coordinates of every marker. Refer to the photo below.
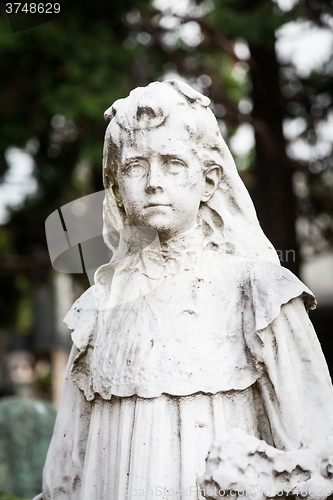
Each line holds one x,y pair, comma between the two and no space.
308,107
57,80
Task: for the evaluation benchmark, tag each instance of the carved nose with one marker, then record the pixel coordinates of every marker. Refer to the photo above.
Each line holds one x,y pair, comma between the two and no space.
154,179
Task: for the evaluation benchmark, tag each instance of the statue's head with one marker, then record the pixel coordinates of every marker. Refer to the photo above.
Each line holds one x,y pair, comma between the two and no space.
161,151
165,162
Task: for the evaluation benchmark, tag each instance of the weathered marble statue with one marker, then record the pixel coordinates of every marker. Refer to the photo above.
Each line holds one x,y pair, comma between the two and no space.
186,336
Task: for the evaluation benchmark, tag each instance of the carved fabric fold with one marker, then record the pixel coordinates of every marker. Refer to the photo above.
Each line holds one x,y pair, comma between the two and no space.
144,448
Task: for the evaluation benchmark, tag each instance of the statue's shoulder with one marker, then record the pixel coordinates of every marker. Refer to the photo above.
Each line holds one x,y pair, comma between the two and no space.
249,271
82,318
259,286
271,282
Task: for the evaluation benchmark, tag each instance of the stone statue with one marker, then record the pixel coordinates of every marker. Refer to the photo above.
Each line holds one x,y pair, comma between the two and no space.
193,328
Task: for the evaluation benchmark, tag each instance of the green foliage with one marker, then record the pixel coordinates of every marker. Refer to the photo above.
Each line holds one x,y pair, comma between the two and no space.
57,80
24,318
8,496
45,382
81,54
6,246
253,21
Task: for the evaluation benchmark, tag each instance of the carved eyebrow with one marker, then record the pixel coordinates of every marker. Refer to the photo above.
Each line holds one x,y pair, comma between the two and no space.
174,157
127,161
134,158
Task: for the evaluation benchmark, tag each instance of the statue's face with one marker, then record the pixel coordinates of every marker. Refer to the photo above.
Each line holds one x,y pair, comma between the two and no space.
161,181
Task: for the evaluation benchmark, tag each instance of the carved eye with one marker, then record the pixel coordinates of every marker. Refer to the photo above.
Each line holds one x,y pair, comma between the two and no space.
135,168
175,165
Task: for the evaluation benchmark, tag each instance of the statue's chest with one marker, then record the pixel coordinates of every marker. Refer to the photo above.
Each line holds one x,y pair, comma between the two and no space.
177,307
181,335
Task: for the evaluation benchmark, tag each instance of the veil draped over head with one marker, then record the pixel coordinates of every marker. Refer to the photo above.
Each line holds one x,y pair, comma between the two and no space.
229,213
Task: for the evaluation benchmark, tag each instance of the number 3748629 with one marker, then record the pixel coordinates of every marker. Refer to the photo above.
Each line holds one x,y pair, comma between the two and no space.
32,8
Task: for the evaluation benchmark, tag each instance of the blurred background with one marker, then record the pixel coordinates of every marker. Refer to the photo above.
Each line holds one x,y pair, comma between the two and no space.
266,65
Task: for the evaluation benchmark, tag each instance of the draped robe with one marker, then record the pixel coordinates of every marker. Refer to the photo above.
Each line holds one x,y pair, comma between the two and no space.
169,352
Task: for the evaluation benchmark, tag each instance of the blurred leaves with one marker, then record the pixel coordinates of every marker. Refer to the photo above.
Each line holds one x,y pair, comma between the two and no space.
252,20
57,80
8,496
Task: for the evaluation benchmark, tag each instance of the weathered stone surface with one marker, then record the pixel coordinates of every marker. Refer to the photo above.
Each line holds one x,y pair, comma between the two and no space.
242,466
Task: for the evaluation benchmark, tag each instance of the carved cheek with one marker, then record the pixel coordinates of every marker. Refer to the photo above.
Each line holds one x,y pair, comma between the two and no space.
192,178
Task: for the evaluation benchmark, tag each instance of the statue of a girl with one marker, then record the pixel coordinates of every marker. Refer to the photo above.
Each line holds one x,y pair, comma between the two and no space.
199,331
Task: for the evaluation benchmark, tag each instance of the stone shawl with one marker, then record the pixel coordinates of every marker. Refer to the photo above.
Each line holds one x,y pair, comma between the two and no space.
185,322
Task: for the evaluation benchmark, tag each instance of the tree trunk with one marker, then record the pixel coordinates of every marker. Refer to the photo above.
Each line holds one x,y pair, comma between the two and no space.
273,195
